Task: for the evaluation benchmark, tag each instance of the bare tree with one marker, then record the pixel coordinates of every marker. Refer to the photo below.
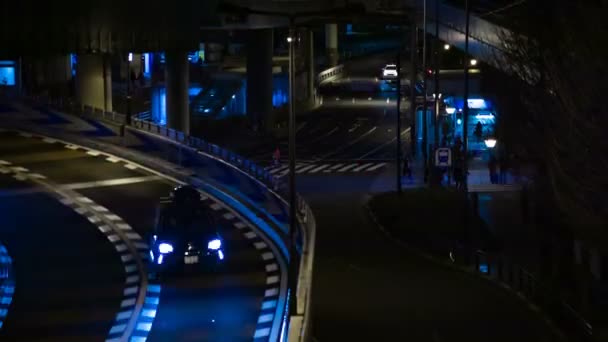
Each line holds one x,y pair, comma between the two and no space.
561,53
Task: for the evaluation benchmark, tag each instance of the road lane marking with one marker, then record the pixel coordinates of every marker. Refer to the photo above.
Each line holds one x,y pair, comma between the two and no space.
306,168
110,182
93,153
334,167
112,160
362,167
376,149
131,166
346,168
272,267
279,168
343,147
375,167
319,168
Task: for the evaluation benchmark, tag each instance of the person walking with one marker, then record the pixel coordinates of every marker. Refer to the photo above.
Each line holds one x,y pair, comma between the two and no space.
407,169
492,168
276,157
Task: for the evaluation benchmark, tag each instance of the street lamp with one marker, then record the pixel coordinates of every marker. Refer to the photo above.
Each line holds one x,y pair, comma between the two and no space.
490,142
128,116
349,10
446,47
473,62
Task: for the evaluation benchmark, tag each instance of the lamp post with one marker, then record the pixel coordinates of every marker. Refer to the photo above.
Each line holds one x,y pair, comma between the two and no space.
424,94
293,221
465,113
128,116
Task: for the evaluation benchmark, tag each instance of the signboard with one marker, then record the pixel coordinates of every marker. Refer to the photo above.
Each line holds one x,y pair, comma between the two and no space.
443,157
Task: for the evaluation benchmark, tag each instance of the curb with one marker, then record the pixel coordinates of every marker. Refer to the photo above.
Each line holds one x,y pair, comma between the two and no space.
422,254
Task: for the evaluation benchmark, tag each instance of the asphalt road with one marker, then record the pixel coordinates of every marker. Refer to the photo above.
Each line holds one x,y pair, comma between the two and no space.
368,288
69,278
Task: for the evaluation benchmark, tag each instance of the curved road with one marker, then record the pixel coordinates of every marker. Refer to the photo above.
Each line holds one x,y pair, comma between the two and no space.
71,281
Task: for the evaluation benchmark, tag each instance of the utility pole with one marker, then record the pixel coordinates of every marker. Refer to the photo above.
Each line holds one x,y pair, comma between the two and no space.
293,201
413,79
465,114
424,105
399,122
436,80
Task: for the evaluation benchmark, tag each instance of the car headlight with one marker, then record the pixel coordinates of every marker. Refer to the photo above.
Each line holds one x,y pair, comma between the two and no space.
165,248
214,244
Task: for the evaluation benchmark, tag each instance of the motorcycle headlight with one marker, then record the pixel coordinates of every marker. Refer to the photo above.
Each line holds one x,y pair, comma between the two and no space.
165,248
214,244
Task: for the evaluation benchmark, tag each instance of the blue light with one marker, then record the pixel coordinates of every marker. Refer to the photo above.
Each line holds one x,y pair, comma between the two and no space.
220,254
207,110
214,244
459,121
483,268
165,248
160,259
151,255
477,103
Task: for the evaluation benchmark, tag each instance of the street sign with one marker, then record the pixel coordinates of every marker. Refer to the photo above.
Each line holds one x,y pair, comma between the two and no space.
443,157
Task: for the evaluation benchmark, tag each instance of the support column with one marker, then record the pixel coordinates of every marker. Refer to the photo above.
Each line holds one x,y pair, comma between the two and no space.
91,81
311,66
177,81
259,77
331,44
107,82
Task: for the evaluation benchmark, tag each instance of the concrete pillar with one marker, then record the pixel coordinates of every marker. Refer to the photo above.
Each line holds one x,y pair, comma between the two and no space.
177,77
311,65
93,85
331,44
259,76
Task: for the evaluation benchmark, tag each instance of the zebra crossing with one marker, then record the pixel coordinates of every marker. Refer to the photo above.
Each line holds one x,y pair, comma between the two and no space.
325,168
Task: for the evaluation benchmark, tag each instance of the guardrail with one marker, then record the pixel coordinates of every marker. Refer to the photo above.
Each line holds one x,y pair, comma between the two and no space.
300,327
330,74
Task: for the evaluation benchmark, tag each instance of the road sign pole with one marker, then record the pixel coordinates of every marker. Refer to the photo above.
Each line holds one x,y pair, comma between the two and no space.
413,79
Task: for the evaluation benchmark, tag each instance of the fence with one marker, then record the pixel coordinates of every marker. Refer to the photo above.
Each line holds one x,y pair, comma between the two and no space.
300,328
500,269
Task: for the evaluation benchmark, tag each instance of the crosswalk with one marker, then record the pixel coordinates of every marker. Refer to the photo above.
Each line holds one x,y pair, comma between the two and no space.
325,168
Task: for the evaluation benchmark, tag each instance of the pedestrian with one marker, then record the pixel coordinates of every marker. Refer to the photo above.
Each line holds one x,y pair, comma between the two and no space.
492,168
407,169
276,157
478,133
504,167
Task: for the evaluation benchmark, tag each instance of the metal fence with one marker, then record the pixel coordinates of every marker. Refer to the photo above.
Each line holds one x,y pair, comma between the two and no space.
500,269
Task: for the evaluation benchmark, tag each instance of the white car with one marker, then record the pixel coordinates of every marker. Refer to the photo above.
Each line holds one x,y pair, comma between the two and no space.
390,70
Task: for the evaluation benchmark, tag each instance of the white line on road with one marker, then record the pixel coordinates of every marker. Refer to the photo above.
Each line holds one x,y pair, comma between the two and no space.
306,168
343,147
333,167
383,145
347,167
319,168
375,167
362,167
110,182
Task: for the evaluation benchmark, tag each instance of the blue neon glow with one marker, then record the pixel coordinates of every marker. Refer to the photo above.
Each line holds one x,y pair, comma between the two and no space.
483,268
485,116
147,63
214,244
477,103
165,248
459,121
220,254
160,259
7,76
151,255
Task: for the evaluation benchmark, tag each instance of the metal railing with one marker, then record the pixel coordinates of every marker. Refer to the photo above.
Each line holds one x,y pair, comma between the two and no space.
330,74
500,269
300,327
